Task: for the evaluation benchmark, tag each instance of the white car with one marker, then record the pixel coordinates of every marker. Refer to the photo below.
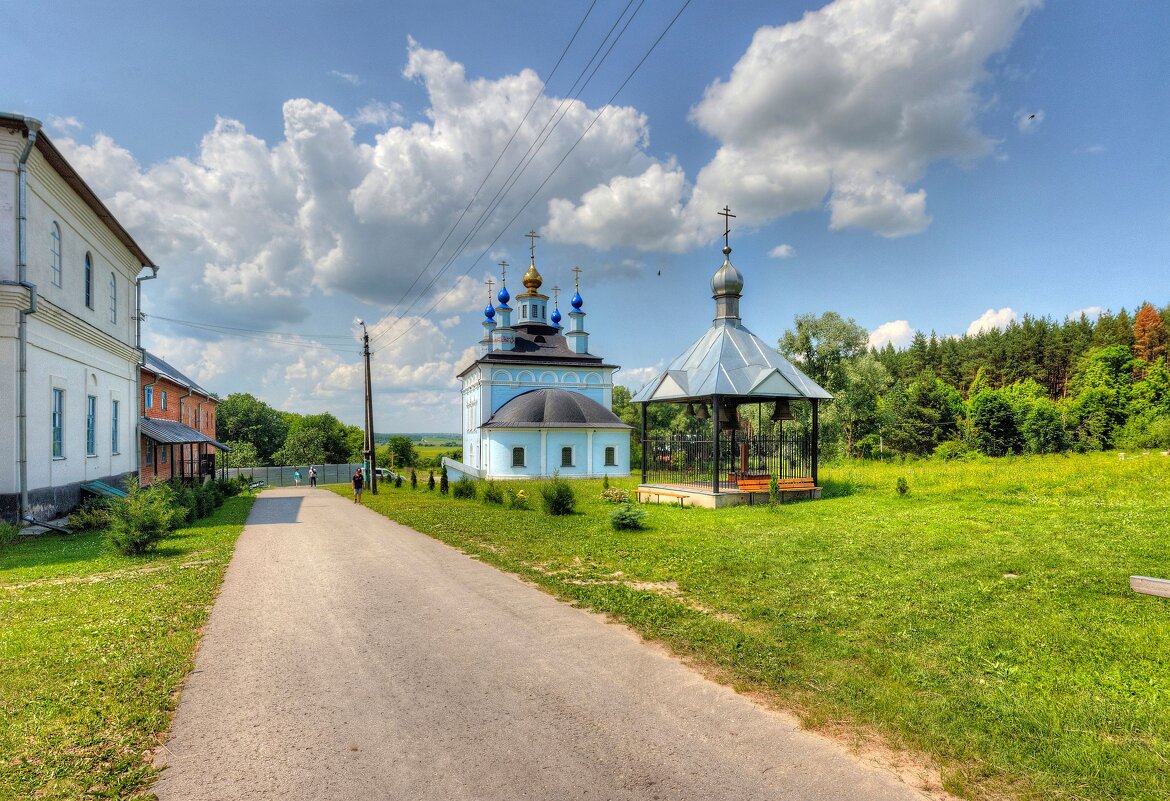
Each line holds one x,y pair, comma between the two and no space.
384,474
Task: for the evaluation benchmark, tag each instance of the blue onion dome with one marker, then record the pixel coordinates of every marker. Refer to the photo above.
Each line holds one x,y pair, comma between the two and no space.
555,317
727,280
504,297
489,311
576,301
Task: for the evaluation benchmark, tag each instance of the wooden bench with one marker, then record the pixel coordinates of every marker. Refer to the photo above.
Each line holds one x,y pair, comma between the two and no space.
763,483
682,496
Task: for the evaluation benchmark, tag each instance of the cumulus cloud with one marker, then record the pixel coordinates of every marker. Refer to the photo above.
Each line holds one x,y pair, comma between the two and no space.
634,378
990,319
897,332
1090,312
64,125
782,252
1029,121
851,103
379,114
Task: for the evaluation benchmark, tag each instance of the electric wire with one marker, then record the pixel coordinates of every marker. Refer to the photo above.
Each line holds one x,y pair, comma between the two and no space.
256,335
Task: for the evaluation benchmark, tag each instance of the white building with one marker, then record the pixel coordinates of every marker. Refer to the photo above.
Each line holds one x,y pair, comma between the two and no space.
68,330
536,402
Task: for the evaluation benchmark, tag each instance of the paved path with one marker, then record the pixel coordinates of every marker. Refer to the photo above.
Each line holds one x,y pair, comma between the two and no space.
349,657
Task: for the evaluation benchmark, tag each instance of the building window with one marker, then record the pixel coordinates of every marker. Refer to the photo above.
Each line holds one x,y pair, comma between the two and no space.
567,456
524,310
611,456
114,427
198,417
162,401
88,281
58,423
113,298
148,393
149,460
162,455
90,425
517,457
55,251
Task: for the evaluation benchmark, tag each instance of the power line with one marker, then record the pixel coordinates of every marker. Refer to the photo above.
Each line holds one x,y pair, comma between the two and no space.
588,128
228,331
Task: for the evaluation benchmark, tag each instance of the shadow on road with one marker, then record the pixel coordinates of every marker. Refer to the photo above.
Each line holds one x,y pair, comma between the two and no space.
275,510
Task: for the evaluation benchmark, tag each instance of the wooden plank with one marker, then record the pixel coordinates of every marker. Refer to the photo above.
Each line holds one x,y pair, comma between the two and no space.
1150,586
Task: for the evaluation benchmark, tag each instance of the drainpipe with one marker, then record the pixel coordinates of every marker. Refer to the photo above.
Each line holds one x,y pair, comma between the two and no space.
141,364
33,126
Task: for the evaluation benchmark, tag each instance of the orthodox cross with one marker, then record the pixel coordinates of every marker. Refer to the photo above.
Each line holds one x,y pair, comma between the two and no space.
556,289
577,278
532,237
490,284
726,215
503,273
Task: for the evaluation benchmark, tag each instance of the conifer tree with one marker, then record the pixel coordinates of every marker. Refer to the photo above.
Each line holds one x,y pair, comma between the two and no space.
444,484
431,481
1149,335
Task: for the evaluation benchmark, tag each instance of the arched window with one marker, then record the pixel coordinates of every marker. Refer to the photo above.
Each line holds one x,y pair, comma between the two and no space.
113,298
55,253
88,281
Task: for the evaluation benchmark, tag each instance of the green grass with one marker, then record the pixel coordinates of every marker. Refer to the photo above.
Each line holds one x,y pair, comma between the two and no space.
93,649
983,621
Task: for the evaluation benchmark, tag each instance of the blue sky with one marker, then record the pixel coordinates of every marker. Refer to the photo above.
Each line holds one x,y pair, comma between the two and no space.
293,165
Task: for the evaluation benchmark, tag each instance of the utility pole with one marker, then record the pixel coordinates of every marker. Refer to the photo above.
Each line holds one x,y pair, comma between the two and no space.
369,452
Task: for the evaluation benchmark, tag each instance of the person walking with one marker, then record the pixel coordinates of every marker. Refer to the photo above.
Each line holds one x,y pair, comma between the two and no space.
297,476
312,476
358,482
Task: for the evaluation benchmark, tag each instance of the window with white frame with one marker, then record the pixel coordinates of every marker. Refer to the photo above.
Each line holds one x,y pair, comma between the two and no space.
567,456
113,298
88,281
58,423
55,253
162,400
114,426
518,457
149,454
91,425
148,394
611,456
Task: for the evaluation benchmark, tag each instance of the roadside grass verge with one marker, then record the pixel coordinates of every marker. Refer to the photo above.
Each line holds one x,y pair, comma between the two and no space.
983,620
93,649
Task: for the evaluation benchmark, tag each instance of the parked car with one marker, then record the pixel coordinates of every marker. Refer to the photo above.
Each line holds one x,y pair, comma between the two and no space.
385,474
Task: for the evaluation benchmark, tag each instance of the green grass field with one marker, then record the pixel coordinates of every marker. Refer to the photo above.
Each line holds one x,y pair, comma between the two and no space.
93,649
981,624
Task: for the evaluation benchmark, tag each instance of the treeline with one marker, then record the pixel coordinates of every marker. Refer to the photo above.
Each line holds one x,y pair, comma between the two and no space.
1038,386
261,435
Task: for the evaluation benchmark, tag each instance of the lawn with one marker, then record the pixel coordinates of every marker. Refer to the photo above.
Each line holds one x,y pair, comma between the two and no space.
94,647
981,623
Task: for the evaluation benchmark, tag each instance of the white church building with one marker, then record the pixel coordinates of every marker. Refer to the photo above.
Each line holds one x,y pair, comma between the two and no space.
536,401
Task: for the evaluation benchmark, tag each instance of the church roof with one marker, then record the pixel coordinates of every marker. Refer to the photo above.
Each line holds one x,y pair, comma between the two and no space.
553,408
539,344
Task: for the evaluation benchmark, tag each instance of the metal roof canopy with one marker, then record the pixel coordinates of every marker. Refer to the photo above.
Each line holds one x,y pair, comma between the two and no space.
169,432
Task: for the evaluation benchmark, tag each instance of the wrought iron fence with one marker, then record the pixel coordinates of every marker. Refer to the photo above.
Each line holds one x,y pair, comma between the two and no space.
689,460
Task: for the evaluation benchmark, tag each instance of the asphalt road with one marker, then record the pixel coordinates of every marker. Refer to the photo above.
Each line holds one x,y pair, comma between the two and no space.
349,657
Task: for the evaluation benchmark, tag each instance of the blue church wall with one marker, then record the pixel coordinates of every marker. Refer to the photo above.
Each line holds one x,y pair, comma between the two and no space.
500,453
502,442
561,438
620,441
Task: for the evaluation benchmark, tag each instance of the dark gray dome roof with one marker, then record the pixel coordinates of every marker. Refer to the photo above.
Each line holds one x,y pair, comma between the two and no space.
553,408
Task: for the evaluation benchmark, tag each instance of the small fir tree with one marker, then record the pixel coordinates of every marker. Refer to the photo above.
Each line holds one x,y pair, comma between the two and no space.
444,483
431,481
398,481
413,479
605,481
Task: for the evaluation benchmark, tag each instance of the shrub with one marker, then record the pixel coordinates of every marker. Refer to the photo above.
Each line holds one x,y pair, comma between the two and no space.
464,489
558,496
143,517
605,481
94,513
229,487
615,495
431,481
627,518
184,499
773,493
8,532
444,482
903,486
952,450
204,501
493,493
413,479
518,499
398,481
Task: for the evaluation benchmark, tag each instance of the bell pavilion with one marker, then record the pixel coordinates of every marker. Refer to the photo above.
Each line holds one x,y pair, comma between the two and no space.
536,401
748,395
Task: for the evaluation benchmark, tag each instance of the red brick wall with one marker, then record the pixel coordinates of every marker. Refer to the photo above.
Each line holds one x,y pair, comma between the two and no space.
182,406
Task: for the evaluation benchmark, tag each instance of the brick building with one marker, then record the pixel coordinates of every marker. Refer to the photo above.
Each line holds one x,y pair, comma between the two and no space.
176,426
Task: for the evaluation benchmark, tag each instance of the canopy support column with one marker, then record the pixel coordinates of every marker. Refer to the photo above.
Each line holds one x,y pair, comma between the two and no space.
715,429
644,443
816,450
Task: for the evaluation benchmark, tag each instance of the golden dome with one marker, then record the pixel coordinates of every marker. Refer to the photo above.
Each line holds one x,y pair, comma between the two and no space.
532,279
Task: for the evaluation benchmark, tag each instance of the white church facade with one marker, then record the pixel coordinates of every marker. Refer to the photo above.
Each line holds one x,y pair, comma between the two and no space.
536,401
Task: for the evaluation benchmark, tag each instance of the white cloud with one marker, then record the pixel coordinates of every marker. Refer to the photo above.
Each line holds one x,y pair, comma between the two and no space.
64,125
1029,121
1091,312
992,319
379,114
897,332
852,102
634,378
1090,150
348,77
782,252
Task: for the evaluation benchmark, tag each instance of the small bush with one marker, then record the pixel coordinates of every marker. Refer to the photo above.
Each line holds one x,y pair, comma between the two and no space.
464,489
903,486
413,479
398,481
627,518
230,487
8,533
444,482
431,481
93,514
558,496
493,493
615,495
773,494
519,500
143,517
952,450
605,481
184,499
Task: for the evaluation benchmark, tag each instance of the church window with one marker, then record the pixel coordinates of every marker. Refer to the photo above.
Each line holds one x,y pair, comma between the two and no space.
55,253
88,281
113,298
58,423
567,456
517,457
524,310
611,456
